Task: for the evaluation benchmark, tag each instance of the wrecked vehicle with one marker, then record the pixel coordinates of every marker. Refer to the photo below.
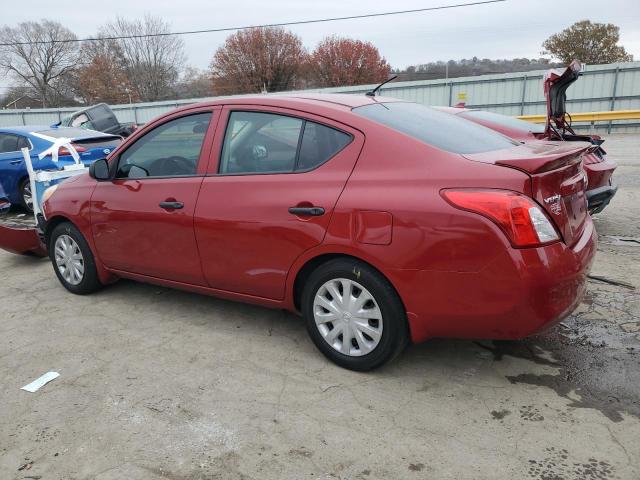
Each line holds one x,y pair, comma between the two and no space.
597,165
380,221
5,204
14,177
98,117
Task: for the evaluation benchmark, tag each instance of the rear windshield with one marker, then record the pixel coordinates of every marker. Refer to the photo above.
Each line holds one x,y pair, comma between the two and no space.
439,129
70,133
504,121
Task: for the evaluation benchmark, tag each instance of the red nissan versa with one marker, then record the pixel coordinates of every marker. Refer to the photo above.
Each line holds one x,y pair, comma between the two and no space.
381,221
598,167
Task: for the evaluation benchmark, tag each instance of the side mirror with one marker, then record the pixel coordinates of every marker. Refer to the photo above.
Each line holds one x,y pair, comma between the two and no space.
99,170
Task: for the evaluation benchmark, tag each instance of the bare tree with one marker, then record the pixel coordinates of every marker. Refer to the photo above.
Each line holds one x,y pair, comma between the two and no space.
39,55
258,58
152,63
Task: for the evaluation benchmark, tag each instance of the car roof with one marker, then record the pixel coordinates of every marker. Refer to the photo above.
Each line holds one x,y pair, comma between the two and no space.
27,129
340,101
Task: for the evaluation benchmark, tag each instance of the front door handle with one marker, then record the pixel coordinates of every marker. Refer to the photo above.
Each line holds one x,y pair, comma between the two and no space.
310,211
15,162
171,205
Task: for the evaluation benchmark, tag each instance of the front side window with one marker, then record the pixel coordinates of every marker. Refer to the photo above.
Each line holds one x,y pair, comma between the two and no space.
257,142
170,150
441,130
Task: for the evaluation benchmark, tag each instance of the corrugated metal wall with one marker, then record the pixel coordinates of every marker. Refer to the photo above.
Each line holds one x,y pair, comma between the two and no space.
601,88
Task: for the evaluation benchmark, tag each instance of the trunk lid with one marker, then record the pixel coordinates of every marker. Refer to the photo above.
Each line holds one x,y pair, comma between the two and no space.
556,82
558,181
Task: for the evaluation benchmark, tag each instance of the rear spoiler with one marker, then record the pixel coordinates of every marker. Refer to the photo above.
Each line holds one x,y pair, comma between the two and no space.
553,160
556,83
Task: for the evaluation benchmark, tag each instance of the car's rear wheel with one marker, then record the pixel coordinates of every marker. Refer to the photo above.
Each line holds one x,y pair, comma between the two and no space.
26,196
353,314
72,260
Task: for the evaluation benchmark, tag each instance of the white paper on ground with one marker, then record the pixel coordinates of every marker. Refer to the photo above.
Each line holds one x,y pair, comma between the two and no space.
39,382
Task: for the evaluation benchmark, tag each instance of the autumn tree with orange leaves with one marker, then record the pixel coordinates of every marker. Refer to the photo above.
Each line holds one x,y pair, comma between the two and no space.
340,62
102,80
268,58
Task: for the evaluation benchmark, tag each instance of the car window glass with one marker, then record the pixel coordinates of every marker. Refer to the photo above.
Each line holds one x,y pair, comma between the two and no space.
258,142
172,149
8,143
319,144
504,120
23,143
80,120
441,130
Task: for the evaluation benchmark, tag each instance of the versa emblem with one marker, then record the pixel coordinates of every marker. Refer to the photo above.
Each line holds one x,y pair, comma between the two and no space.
555,203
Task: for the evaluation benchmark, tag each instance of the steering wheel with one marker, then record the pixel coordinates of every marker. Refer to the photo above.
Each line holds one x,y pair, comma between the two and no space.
175,165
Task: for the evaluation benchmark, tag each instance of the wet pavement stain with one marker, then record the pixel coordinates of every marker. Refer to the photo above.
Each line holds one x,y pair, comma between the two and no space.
530,413
604,381
499,415
556,466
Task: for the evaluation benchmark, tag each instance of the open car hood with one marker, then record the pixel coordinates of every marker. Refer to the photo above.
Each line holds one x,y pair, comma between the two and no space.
556,82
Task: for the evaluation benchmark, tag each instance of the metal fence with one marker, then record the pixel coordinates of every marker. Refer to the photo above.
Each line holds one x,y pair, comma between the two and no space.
601,88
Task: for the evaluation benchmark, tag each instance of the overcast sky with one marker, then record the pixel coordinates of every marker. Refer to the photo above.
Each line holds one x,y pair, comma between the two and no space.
515,28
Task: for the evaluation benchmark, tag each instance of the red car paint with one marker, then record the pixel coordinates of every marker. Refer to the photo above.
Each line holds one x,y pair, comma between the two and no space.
598,168
21,240
455,270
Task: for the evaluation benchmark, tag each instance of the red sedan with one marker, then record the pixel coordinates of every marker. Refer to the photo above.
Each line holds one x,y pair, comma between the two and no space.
380,221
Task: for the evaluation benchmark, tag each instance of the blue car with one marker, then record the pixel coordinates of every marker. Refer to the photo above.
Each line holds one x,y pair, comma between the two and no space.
14,179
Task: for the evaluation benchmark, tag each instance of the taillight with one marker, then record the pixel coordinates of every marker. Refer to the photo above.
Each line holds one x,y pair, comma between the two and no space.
518,216
65,150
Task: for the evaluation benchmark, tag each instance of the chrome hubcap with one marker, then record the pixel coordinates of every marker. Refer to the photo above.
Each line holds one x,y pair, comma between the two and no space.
69,259
348,317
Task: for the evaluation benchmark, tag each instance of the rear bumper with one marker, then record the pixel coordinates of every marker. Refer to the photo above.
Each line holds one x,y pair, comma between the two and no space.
599,198
520,293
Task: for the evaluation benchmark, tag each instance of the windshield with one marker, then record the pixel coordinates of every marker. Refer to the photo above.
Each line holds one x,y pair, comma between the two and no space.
504,121
70,133
441,130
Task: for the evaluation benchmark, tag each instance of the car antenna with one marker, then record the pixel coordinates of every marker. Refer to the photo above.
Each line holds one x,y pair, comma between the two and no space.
372,93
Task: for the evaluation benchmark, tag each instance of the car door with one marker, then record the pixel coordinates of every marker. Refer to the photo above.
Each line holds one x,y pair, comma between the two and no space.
269,195
142,220
12,166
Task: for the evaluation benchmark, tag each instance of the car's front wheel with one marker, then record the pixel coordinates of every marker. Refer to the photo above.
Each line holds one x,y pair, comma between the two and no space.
26,196
354,315
72,259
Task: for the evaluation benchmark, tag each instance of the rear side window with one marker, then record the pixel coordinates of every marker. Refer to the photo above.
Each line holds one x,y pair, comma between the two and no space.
12,143
504,121
441,130
257,142
319,144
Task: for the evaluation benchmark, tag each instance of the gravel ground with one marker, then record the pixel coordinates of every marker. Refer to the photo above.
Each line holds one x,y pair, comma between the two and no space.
162,384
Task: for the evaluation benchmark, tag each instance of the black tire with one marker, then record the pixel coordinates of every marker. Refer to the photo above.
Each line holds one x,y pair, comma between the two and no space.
395,335
90,281
25,189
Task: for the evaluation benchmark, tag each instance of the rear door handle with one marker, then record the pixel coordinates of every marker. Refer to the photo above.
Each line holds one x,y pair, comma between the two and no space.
171,205
15,162
311,211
